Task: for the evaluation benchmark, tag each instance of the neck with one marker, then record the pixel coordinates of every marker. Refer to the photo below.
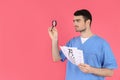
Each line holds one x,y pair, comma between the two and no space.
86,34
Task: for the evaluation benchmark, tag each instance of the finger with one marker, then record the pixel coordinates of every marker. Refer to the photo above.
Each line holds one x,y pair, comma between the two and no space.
81,67
54,30
49,29
84,70
85,65
81,64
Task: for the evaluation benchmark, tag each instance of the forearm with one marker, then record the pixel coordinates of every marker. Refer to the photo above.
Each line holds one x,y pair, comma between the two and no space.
102,72
96,71
55,51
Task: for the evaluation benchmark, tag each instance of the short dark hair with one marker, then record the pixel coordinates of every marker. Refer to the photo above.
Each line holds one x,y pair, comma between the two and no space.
85,13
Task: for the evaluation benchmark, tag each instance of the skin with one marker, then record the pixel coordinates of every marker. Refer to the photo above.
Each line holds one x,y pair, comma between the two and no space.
83,27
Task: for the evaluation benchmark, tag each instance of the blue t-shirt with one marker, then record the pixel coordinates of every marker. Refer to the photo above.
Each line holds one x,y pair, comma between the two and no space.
97,53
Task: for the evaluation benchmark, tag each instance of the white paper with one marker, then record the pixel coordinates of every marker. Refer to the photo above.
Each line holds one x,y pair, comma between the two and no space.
73,54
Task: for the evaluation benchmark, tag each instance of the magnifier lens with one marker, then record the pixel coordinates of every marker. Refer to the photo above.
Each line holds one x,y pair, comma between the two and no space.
54,23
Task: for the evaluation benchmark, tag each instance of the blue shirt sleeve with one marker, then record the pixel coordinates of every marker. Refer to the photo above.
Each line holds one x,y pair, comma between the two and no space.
108,57
63,58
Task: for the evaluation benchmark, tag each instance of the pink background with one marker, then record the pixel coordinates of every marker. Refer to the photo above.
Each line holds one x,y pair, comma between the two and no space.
25,47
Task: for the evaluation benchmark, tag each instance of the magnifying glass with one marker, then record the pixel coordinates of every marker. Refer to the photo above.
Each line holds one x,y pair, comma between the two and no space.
54,24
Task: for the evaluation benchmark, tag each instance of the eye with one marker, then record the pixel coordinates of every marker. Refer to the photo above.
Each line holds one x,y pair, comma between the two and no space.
77,20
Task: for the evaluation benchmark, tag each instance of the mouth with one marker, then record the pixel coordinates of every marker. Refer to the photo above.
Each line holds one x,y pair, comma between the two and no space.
76,26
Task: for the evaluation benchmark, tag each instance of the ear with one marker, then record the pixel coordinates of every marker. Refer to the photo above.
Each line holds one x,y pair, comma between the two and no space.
88,22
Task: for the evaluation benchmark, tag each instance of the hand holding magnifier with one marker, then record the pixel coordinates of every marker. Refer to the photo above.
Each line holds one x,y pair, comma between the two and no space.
54,24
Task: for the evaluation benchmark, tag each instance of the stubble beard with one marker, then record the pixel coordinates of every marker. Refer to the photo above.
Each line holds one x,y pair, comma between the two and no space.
83,30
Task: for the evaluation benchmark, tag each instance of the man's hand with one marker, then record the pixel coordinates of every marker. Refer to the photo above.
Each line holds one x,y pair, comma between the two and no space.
53,33
97,71
85,68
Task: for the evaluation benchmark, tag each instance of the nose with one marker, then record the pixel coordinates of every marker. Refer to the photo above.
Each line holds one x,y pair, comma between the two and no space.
75,24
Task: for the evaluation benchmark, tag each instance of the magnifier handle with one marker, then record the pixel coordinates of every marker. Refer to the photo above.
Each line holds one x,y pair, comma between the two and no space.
52,27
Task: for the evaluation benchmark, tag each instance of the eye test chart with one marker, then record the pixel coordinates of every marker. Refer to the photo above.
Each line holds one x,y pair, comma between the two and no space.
73,54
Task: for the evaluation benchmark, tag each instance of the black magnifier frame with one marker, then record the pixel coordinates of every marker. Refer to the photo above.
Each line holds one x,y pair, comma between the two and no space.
54,24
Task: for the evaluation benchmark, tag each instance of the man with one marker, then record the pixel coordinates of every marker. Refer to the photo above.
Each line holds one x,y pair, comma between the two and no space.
99,61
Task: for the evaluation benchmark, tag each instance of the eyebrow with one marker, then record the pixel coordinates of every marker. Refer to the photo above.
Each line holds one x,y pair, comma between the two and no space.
76,20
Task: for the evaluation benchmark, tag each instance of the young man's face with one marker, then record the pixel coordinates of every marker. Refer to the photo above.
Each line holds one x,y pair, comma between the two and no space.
79,23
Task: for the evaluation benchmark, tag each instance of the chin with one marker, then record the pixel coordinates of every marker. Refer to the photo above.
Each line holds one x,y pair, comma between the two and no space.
77,30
